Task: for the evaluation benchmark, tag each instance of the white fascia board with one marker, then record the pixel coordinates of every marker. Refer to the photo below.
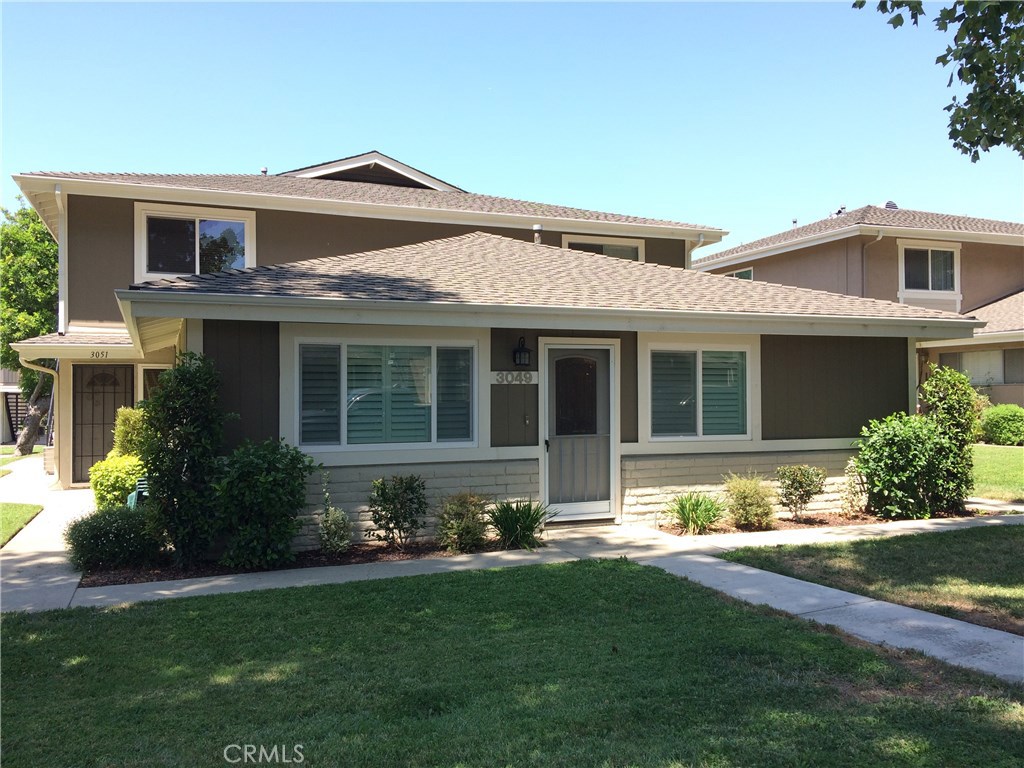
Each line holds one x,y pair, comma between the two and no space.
853,231
141,303
1002,337
68,351
374,158
253,200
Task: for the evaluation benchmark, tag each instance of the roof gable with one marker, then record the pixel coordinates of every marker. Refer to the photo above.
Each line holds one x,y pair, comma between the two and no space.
373,168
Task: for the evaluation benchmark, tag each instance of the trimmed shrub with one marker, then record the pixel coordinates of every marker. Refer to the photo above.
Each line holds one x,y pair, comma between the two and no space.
461,526
798,484
114,478
949,400
1003,425
397,508
854,495
696,512
981,404
129,425
261,491
180,446
750,501
519,524
116,537
907,465
335,527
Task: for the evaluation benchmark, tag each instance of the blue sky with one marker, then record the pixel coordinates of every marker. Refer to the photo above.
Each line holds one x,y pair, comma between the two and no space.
742,116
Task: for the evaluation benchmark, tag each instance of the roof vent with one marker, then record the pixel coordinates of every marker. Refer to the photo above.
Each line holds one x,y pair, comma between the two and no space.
840,212
891,206
263,170
537,230
794,223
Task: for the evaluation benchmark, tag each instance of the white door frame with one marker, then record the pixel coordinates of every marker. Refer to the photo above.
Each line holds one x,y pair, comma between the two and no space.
613,346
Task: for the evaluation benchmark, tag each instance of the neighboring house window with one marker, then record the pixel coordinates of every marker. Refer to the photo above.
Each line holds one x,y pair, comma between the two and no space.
360,394
927,269
699,393
183,240
619,247
988,367
742,274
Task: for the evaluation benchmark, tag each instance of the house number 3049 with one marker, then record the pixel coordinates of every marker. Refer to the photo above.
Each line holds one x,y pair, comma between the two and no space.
514,377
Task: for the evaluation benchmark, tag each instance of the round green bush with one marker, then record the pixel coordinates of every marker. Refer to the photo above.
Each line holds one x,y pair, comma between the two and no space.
461,526
114,478
1003,425
117,537
750,502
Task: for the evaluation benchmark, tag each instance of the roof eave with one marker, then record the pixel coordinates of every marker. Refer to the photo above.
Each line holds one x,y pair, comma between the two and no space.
873,230
143,302
42,185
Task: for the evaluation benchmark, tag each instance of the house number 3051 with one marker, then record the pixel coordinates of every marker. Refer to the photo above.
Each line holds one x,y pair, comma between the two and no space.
513,377
99,354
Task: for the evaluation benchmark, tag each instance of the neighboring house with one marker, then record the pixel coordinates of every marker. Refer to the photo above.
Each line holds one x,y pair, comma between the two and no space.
957,263
387,322
13,406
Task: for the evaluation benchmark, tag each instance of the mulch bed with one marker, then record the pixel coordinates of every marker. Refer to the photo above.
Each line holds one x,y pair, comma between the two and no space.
367,552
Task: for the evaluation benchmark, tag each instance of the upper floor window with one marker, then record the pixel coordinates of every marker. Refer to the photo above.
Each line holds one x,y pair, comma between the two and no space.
930,267
184,240
619,247
742,274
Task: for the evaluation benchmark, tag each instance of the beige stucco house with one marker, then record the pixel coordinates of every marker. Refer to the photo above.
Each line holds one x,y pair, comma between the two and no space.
388,322
956,263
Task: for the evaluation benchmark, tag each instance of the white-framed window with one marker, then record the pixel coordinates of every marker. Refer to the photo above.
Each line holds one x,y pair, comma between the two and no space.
699,393
369,394
742,274
147,379
627,248
187,240
989,366
929,269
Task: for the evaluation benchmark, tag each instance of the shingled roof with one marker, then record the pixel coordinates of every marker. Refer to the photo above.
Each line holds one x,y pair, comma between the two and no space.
1002,316
489,270
872,216
364,193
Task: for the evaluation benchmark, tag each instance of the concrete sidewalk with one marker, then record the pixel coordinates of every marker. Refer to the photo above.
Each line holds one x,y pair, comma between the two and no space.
34,571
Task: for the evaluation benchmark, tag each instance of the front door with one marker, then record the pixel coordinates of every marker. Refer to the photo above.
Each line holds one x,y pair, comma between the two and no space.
579,436
97,392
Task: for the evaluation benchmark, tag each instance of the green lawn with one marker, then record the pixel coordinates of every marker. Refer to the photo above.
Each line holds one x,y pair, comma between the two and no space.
999,472
593,663
14,517
7,453
974,574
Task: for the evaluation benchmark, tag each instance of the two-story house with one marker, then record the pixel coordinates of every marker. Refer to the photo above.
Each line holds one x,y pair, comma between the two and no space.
956,263
388,322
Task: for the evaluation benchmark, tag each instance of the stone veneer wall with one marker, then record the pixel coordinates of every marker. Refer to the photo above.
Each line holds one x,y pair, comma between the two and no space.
350,490
650,482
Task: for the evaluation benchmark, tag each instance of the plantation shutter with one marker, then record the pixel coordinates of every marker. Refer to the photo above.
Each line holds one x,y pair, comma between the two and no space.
454,394
365,394
724,393
320,384
673,393
407,400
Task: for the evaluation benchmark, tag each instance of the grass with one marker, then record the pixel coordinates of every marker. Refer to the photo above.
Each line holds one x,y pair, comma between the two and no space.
7,453
974,574
602,663
14,517
999,472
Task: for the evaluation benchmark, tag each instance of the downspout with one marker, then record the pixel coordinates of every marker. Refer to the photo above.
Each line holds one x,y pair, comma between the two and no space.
688,257
62,261
864,265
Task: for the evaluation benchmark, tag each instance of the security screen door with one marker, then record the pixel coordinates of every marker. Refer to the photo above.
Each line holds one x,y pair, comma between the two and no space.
578,439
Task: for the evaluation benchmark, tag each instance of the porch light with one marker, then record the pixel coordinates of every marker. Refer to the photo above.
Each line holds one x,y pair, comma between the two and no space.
521,354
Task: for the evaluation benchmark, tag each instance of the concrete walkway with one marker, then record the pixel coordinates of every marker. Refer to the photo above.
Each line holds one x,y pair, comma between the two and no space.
35,576
34,571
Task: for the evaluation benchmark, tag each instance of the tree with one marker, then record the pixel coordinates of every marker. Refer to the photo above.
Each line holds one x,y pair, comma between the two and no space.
987,52
28,305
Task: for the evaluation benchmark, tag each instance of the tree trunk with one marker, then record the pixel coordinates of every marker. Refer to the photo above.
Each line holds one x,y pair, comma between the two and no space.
36,410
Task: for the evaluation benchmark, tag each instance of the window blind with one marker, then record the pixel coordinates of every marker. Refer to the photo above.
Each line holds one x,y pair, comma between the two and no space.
674,393
320,397
724,393
454,393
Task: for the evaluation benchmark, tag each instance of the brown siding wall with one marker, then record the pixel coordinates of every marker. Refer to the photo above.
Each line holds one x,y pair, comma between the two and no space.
990,272
514,407
101,256
821,386
246,355
101,245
